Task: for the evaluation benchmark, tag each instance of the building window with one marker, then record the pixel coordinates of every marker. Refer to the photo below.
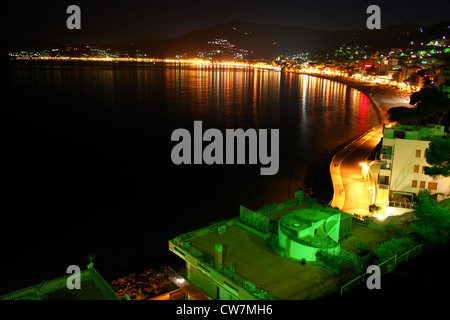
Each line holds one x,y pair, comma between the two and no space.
386,149
385,165
422,184
384,180
432,185
414,184
418,152
416,168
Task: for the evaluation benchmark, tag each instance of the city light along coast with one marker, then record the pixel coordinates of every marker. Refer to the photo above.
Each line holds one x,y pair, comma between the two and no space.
198,62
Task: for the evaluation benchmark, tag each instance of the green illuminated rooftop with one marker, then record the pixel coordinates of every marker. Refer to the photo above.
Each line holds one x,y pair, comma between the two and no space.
256,261
248,249
412,132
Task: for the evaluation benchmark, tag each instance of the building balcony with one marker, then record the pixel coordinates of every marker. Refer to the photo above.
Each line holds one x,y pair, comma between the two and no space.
383,186
407,205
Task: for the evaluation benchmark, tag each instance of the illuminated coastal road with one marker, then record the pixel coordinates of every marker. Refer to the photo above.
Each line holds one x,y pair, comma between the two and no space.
350,190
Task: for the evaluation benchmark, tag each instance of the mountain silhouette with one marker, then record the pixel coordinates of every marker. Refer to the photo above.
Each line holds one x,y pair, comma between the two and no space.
256,41
266,40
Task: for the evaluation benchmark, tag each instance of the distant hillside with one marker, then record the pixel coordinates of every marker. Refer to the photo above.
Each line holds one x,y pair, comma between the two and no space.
254,41
263,40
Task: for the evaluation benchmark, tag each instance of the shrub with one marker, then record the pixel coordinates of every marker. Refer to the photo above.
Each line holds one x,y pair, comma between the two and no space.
362,248
433,223
390,228
310,201
347,272
393,247
206,259
254,220
341,261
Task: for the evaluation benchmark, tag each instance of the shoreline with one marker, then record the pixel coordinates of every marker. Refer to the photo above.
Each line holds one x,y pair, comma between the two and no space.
110,269
382,97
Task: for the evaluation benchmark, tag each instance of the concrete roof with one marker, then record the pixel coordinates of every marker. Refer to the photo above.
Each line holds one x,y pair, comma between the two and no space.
256,261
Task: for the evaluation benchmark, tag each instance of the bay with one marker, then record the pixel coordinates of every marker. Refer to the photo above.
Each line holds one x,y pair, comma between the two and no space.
87,164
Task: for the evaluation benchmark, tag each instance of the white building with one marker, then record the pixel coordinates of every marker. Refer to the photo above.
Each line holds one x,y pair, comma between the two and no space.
398,175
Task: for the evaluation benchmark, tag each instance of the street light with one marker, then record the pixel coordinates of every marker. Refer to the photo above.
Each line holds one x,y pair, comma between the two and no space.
365,169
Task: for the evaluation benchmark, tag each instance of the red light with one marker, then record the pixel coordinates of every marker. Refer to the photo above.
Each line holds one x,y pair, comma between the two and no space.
368,65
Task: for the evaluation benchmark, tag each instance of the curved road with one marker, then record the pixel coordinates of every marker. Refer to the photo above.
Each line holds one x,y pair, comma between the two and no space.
350,190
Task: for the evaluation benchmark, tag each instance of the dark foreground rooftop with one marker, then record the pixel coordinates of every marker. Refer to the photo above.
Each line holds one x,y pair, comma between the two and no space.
92,287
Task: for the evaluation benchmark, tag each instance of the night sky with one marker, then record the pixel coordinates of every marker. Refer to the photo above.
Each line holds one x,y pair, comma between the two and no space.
123,21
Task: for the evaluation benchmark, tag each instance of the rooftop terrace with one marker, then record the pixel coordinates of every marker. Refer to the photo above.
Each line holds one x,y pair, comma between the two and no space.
256,261
257,267
412,132
254,258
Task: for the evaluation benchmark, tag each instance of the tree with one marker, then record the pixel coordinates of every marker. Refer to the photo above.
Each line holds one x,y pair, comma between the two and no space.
433,223
393,247
299,196
404,115
374,208
438,156
431,103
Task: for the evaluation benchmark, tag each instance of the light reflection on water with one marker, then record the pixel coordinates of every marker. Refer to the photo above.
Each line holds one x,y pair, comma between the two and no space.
122,116
314,115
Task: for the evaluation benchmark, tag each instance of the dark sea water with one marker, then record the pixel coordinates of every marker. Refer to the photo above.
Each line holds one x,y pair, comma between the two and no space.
86,157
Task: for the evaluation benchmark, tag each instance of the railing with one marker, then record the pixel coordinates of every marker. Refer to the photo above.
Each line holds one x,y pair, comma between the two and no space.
243,282
224,271
385,267
397,204
40,289
34,292
386,156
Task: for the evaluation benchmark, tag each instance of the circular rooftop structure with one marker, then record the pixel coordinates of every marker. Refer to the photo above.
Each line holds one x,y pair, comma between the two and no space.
303,232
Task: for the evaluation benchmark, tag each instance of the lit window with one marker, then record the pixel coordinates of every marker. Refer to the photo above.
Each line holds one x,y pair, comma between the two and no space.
422,184
414,184
418,152
416,168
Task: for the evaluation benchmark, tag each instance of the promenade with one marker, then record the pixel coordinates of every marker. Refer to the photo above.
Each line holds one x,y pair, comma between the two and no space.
350,190
351,194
